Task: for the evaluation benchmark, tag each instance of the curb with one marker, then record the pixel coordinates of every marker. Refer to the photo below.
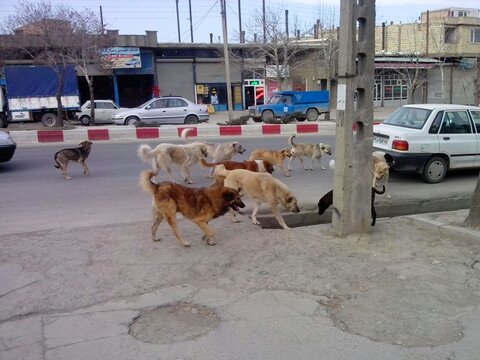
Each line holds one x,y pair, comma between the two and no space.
384,210
125,133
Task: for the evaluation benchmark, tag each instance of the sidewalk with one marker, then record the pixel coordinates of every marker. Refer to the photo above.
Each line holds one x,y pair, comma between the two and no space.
409,290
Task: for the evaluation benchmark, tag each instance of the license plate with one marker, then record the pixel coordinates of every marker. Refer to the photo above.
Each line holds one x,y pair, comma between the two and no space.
380,140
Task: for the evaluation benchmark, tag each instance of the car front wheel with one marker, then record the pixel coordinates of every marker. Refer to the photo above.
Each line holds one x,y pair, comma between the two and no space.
267,116
49,120
85,120
131,120
312,114
435,170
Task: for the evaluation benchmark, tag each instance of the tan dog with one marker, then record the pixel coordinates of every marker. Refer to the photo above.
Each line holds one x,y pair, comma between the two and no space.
261,187
198,205
79,154
310,150
217,151
276,157
164,155
254,165
382,162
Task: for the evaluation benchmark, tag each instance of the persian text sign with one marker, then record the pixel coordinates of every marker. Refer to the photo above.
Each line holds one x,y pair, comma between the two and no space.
121,57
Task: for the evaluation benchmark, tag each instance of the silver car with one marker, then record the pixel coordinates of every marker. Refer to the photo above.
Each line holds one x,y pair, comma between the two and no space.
164,110
104,110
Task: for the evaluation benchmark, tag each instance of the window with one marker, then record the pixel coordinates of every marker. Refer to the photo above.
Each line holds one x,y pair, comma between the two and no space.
107,105
475,35
476,119
409,117
456,122
450,35
158,104
176,103
436,123
394,87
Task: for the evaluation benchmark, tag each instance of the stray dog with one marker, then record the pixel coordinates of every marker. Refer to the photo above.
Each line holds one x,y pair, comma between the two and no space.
382,162
254,165
198,205
310,150
217,151
327,200
276,157
261,187
78,154
165,154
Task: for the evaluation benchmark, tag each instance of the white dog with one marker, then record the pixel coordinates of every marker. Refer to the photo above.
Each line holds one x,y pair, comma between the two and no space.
261,187
310,150
217,151
164,155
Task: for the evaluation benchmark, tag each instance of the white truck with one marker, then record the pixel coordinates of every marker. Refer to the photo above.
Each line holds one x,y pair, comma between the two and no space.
28,93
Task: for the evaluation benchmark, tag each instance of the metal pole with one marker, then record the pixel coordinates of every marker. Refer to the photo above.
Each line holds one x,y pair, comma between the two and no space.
101,20
191,26
178,22
286,23
227,60
264,22
353,155
240,22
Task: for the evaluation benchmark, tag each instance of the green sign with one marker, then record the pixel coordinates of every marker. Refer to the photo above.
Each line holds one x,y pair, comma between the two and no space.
254,82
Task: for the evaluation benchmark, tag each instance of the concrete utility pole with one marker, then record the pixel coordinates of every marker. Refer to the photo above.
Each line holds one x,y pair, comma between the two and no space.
178,22
191,25
353,155
227,60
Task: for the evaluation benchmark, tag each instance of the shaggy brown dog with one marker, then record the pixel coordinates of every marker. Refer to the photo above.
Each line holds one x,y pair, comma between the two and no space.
200,205
327,200
255,165
78,154
276,157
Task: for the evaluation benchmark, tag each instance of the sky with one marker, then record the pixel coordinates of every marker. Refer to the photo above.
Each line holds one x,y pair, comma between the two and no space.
136,16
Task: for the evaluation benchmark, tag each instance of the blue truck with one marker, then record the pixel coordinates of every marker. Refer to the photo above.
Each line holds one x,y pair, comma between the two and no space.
28,93
300,104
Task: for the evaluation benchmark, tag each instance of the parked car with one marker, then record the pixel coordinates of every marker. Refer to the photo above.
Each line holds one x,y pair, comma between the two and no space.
104,110
164,110
431,138
7,147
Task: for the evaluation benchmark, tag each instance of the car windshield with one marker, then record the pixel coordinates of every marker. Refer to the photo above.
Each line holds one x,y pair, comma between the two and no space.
409,117
275,99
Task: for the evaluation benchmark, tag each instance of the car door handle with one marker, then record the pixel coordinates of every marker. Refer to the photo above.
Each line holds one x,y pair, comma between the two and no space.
164,110
446,138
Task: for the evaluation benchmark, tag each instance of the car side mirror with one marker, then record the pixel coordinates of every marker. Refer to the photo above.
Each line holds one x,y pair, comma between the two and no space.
148,107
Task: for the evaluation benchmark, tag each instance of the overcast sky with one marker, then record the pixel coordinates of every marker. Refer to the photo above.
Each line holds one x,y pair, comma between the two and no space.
136,16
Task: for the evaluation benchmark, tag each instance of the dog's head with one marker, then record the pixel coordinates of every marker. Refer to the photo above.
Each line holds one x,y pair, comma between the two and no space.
86,145
238,148
380,169
290,202
389,159
233,199
286,152
326,149
268,166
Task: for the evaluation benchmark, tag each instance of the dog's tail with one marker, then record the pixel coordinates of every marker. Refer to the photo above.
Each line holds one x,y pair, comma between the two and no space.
146,183
145,152
332,164
290,140
380,192
184,134
57,164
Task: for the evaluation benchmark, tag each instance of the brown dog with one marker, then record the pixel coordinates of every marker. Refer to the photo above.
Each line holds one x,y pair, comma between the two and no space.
78,154
199,205
276,157
254,165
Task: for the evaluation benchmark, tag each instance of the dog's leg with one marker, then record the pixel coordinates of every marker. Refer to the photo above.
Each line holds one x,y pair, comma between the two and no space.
207,231
85,167
289,162
254,213
173,224
233,215
282,166
320,162
64,170
301,161
278,216
157,219
387,176
185,170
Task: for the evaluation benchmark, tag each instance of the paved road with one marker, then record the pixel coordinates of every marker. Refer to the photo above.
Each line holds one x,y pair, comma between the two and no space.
35,196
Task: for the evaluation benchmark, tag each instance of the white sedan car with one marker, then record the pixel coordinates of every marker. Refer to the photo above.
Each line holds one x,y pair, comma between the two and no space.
104,111
431,138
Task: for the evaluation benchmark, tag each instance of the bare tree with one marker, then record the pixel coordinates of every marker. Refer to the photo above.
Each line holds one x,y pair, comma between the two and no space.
281,52
55,36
